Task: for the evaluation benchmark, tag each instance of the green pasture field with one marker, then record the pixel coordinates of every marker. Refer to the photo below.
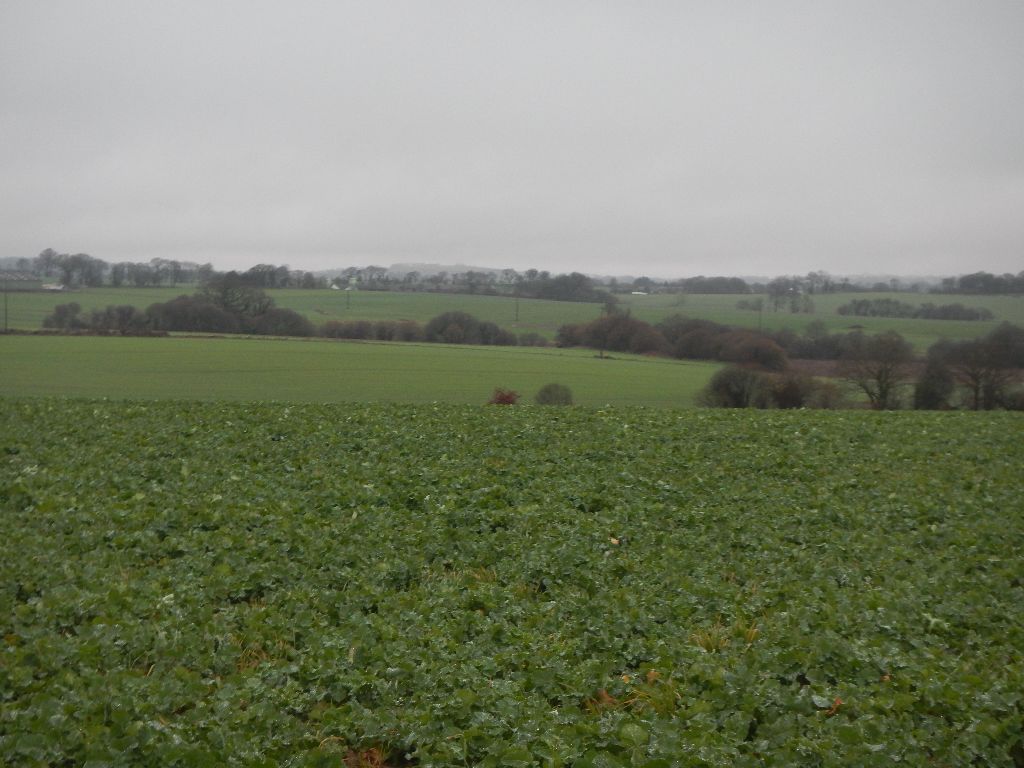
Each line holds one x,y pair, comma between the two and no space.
721,308
261,584
535,315
27,310
234,368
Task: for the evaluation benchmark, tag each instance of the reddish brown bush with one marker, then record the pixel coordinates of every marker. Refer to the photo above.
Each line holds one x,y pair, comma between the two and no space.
503,396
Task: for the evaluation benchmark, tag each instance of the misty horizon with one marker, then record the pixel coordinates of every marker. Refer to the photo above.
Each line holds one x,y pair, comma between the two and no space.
432,268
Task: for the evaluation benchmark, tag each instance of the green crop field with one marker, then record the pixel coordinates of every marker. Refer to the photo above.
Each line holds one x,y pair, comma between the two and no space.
27,310
331,371
243,584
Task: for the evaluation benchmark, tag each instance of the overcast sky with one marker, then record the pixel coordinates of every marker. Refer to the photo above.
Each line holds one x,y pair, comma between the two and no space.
664,138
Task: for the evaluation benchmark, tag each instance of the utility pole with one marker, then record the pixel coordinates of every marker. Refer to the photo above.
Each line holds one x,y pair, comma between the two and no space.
5,301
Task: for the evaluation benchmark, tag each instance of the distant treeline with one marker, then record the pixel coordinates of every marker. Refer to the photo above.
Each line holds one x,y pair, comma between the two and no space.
929,311
983,283
81,269
676,336
695,339
446,328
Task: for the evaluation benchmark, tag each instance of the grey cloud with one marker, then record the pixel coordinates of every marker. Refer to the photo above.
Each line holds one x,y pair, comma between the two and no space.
674,138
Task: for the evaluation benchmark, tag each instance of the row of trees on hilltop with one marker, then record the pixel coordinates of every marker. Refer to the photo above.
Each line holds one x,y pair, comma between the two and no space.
81,269
788,291
983,283
542,284
576,286
792,292
77,270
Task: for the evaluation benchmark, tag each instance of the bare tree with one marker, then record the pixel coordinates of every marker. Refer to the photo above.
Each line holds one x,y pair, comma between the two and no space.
880,367
780,290
983,369
47,261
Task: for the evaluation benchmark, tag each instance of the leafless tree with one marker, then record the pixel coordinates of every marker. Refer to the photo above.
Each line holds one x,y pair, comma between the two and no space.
880,367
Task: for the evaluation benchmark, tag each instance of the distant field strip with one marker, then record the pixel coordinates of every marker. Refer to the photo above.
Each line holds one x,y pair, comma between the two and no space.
329,371
721,308
27,310
532,315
